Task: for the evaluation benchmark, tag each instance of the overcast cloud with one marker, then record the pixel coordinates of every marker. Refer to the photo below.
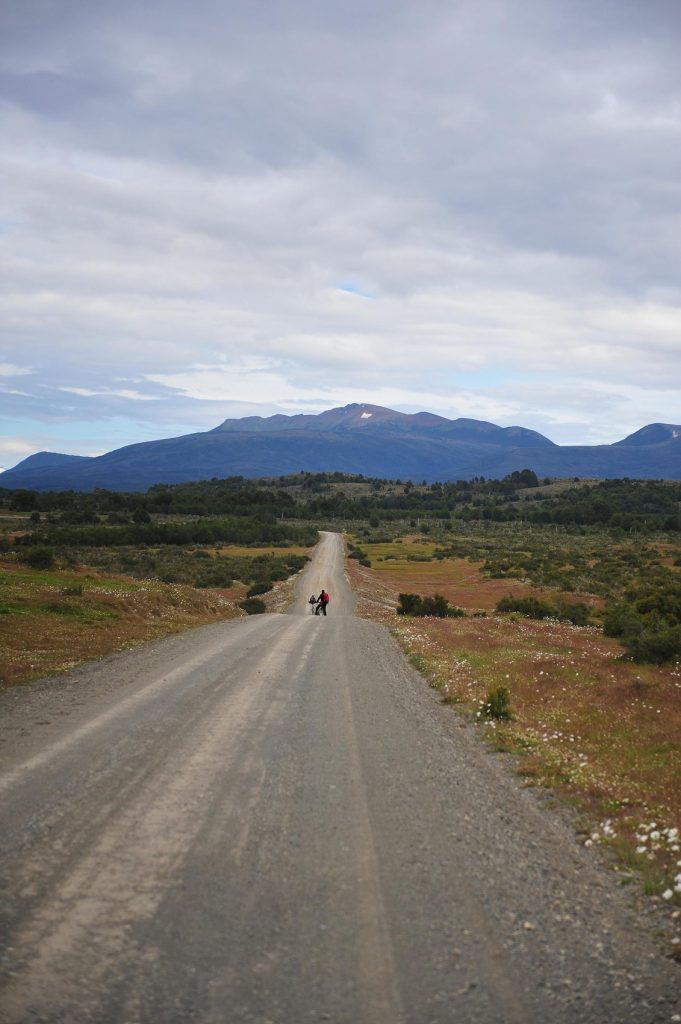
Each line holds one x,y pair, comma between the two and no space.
216,209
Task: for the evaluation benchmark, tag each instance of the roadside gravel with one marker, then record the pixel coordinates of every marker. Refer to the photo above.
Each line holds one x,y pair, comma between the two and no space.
275,820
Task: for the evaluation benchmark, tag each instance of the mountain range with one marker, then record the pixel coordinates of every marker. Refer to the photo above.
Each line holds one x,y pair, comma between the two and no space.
366,439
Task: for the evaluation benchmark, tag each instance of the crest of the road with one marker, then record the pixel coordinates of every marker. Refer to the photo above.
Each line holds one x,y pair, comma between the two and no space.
274,820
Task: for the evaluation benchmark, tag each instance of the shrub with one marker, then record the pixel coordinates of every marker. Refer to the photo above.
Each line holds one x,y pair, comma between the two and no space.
531,607
407,603
655,645
214,579
38,558
648,623
117,519
578,613
621,620
498,704
414,604
63,608
253,606
437,606
259,587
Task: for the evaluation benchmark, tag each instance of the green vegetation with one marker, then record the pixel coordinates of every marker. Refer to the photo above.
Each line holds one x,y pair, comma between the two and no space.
359,554
438,606
52,620
613,542
647,619
497,704
169,535
578,613
84,574
581,718
641,506
38,557
243,530
253,606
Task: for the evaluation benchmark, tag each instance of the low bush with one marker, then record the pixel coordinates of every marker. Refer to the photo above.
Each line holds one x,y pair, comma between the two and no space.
648,622
407,603
38,557
438,606
498,704
621,620
358,554
64,608
655,645
253,606
259,587
576,612
530,607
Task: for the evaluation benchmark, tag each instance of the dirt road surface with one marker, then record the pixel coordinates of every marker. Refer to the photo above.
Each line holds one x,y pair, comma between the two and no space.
273,820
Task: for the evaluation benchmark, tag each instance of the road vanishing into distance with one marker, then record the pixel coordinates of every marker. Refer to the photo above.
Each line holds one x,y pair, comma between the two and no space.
273,820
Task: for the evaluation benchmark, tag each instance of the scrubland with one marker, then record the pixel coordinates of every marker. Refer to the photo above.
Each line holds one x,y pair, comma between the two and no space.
51,621
601,730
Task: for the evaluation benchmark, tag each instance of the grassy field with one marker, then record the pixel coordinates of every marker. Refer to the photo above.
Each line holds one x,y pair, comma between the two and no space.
602,731
241,551
408,563
113,598
51,621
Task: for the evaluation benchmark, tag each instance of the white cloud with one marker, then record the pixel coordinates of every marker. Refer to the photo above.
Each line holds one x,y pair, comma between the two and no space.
11,370
391,204
121,393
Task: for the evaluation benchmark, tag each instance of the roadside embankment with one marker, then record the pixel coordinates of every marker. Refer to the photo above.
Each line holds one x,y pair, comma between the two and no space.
51,621
602,732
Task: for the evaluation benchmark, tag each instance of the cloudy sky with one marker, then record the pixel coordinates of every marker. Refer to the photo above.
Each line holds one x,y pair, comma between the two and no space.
228,207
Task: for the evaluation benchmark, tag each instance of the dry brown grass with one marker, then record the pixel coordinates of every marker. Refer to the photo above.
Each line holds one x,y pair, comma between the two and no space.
603,732
47,625
460,580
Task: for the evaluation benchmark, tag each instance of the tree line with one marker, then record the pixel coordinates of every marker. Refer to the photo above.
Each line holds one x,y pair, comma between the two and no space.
628,505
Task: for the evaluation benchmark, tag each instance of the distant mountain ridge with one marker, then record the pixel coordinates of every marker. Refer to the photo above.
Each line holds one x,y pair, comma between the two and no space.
357,438
375,417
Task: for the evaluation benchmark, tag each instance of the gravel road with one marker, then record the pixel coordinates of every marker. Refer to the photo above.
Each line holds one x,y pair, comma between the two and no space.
273,820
